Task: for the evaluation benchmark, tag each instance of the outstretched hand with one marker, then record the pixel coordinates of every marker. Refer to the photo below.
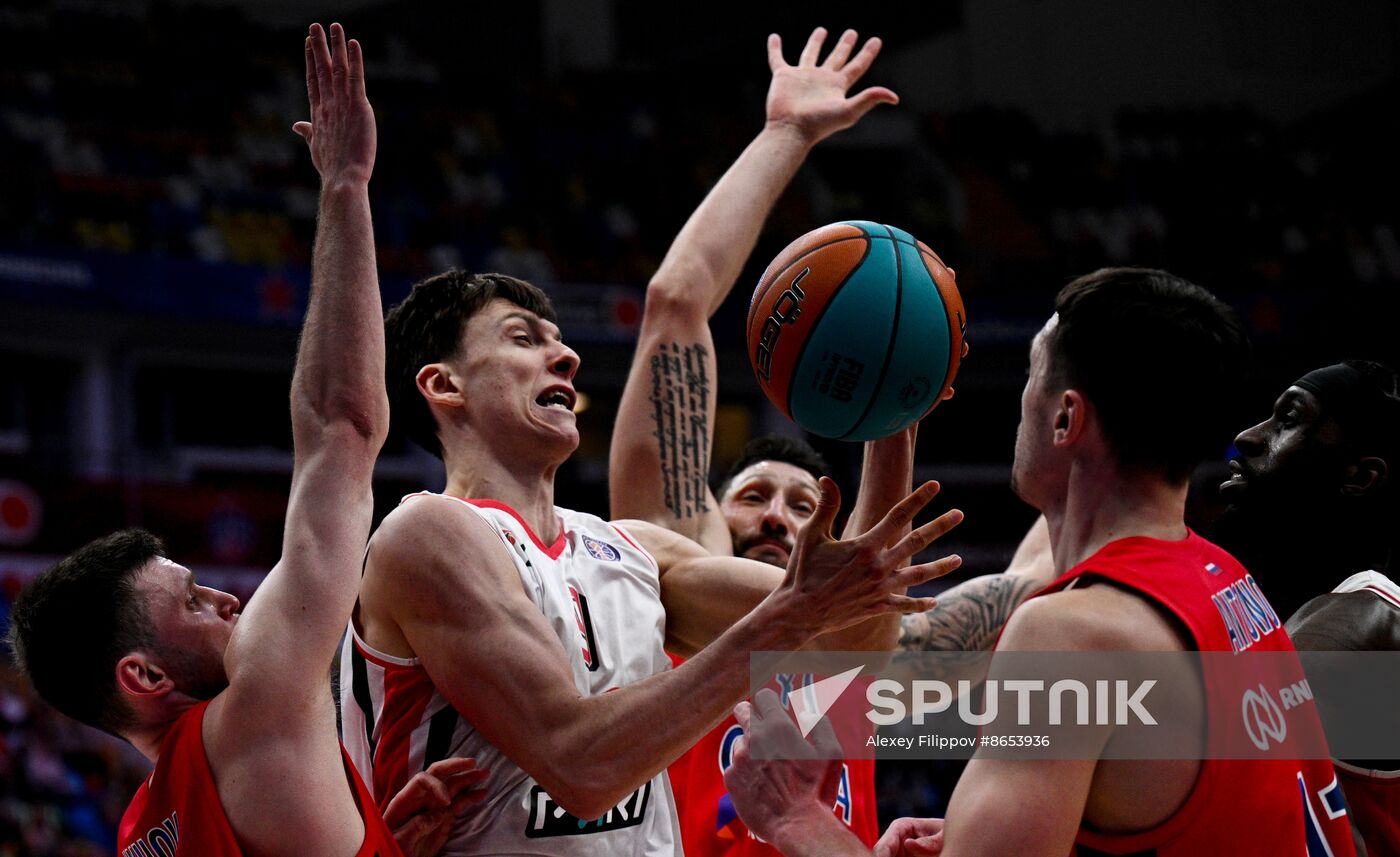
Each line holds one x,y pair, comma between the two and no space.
848,581
422,813
796,779
341,133
810,97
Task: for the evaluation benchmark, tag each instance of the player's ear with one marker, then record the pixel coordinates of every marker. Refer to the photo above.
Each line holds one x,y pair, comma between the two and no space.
438,385
1366,476
1071,417
140,676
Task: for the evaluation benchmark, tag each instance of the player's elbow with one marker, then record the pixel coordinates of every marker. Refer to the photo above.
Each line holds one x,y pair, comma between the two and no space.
584,806
367,417
341,419
671,296
581,791
585,784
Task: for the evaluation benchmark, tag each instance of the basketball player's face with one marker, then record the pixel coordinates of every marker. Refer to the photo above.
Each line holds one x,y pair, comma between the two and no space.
1030,473
1293,456
765,505
192,625
518,378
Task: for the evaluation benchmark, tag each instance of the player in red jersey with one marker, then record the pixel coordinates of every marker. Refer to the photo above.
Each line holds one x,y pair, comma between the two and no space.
1107,463
1318,469
669,403
235,707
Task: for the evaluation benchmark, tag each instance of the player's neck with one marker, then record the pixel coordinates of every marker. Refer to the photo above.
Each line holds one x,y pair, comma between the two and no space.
148,737
147,741
1104,504
526,487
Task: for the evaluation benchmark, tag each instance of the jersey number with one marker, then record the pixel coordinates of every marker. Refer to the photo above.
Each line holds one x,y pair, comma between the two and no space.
1332,804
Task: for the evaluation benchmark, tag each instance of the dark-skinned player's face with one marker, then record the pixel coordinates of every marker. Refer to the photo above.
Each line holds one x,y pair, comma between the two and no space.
1295,456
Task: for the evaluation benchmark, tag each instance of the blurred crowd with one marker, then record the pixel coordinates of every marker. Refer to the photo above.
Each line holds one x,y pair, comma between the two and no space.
118,136
113,144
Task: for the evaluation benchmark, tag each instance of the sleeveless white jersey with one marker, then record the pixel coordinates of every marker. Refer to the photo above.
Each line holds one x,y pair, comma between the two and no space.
1371,581
601,593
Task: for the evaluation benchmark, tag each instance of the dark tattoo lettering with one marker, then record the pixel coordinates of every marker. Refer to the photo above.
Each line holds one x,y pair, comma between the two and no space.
968,617
680,403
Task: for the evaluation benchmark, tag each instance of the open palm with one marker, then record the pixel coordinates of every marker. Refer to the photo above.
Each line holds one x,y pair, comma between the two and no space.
810,97
341,134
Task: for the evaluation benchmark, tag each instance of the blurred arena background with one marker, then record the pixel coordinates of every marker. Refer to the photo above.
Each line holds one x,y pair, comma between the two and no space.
156,214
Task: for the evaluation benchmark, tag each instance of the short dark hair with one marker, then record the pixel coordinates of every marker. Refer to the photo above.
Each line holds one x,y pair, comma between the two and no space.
427,326
775,447
1156,355
86,604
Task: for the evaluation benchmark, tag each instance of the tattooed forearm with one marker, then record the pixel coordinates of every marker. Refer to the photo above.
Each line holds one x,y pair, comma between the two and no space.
680,403
968,617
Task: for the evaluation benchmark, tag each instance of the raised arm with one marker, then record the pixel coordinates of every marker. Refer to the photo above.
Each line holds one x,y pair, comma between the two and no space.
886,475
503,668
660,458
270,737
285,640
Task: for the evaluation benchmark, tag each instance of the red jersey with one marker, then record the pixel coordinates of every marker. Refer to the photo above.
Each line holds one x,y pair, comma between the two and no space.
1278,807
711,827
177,811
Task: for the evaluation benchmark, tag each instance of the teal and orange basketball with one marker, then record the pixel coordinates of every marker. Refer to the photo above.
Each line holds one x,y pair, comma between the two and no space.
856,330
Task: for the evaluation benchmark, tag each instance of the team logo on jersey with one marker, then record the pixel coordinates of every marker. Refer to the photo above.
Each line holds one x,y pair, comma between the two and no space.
585,629
601,550
1263,719
548,818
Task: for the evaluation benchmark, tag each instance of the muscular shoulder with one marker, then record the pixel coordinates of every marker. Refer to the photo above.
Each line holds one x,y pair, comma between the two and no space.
1346,621
426,528
1101,617
667,547
429,546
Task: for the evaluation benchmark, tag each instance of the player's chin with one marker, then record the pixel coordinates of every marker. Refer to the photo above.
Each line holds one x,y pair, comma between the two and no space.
561,431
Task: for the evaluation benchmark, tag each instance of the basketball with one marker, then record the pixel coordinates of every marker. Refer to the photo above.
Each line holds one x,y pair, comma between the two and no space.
856,330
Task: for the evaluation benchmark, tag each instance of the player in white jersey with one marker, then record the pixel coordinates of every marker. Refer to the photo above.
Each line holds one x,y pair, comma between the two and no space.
592,576
1311,493
571,696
